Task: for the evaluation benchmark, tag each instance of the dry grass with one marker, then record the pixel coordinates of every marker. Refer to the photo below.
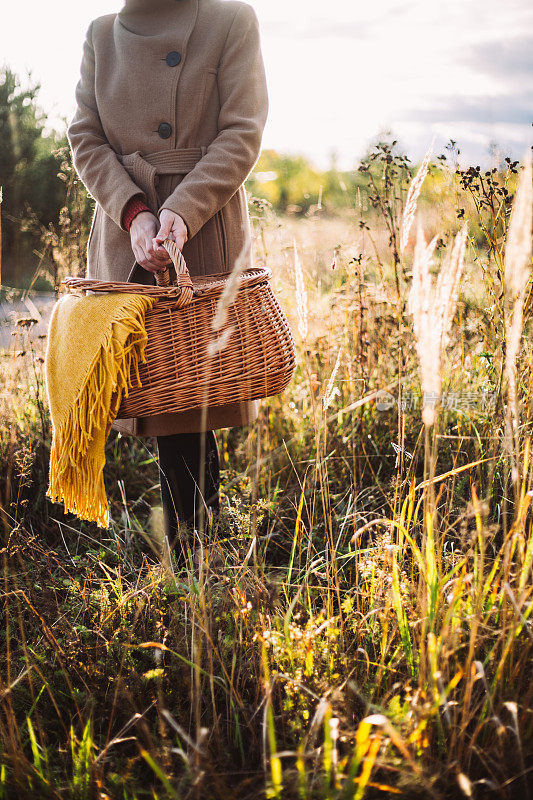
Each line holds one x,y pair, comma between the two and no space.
358,625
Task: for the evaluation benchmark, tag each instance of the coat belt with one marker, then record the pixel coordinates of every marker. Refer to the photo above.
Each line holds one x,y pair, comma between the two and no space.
145,169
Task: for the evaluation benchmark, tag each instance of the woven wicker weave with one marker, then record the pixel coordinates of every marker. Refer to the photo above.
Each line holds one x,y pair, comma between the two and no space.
181,373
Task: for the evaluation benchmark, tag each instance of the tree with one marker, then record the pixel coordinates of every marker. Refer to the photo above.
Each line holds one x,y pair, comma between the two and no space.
32,192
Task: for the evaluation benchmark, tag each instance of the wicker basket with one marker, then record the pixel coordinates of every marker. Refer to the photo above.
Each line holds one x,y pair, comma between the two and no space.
188,364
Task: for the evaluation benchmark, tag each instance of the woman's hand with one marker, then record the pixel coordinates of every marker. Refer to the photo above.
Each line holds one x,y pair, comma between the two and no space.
142,234
172,227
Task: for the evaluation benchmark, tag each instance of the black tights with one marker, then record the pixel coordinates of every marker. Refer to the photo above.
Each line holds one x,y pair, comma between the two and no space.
190,480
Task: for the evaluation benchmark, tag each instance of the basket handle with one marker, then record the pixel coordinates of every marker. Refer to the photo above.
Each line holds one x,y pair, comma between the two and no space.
180,291
162,277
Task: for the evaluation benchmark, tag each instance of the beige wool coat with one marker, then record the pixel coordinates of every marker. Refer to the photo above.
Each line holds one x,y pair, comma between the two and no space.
171,105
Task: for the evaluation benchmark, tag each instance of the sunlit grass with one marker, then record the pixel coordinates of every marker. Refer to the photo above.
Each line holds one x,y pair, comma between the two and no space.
358,624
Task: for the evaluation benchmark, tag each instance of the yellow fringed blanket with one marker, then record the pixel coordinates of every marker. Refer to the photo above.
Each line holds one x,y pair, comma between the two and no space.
95,344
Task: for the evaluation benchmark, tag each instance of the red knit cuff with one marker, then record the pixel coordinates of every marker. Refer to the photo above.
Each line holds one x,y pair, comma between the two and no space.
133,207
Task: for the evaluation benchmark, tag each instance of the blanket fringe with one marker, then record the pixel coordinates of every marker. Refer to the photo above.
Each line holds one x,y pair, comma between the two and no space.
76,476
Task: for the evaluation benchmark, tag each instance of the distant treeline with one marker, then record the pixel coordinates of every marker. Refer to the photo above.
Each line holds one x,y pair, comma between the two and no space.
293,185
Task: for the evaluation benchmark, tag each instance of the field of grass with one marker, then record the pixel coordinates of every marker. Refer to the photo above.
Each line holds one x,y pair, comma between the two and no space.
358,625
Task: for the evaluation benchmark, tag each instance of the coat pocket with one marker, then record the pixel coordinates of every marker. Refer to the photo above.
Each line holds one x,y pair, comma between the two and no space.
209,86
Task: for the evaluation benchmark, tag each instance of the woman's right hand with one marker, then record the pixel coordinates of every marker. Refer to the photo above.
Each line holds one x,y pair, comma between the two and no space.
143,231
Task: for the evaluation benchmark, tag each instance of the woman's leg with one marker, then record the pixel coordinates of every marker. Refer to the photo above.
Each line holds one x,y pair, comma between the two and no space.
190,479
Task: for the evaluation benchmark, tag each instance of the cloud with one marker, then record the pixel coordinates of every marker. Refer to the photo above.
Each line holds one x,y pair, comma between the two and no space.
327,29
478,143
354,26
371,27
508,59
318,29
514,109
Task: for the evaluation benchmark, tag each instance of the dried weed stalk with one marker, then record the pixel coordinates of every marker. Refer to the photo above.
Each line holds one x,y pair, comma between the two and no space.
229,294
227,298
432,306
301,295
412,199
517,272
331,390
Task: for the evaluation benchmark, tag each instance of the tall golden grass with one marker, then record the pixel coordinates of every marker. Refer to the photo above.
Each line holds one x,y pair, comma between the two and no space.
358,624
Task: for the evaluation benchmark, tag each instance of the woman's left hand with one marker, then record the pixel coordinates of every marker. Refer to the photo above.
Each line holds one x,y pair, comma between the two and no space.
172,227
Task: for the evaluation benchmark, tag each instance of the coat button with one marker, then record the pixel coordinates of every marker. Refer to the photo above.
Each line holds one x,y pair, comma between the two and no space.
173,58
165,130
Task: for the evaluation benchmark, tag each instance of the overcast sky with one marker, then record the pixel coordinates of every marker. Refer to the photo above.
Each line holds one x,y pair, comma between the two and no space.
341,71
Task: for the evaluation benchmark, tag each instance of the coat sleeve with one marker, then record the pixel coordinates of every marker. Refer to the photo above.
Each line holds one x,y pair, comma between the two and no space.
95,160
243,112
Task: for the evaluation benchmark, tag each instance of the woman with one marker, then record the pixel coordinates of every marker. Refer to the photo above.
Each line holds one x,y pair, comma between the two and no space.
171,107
